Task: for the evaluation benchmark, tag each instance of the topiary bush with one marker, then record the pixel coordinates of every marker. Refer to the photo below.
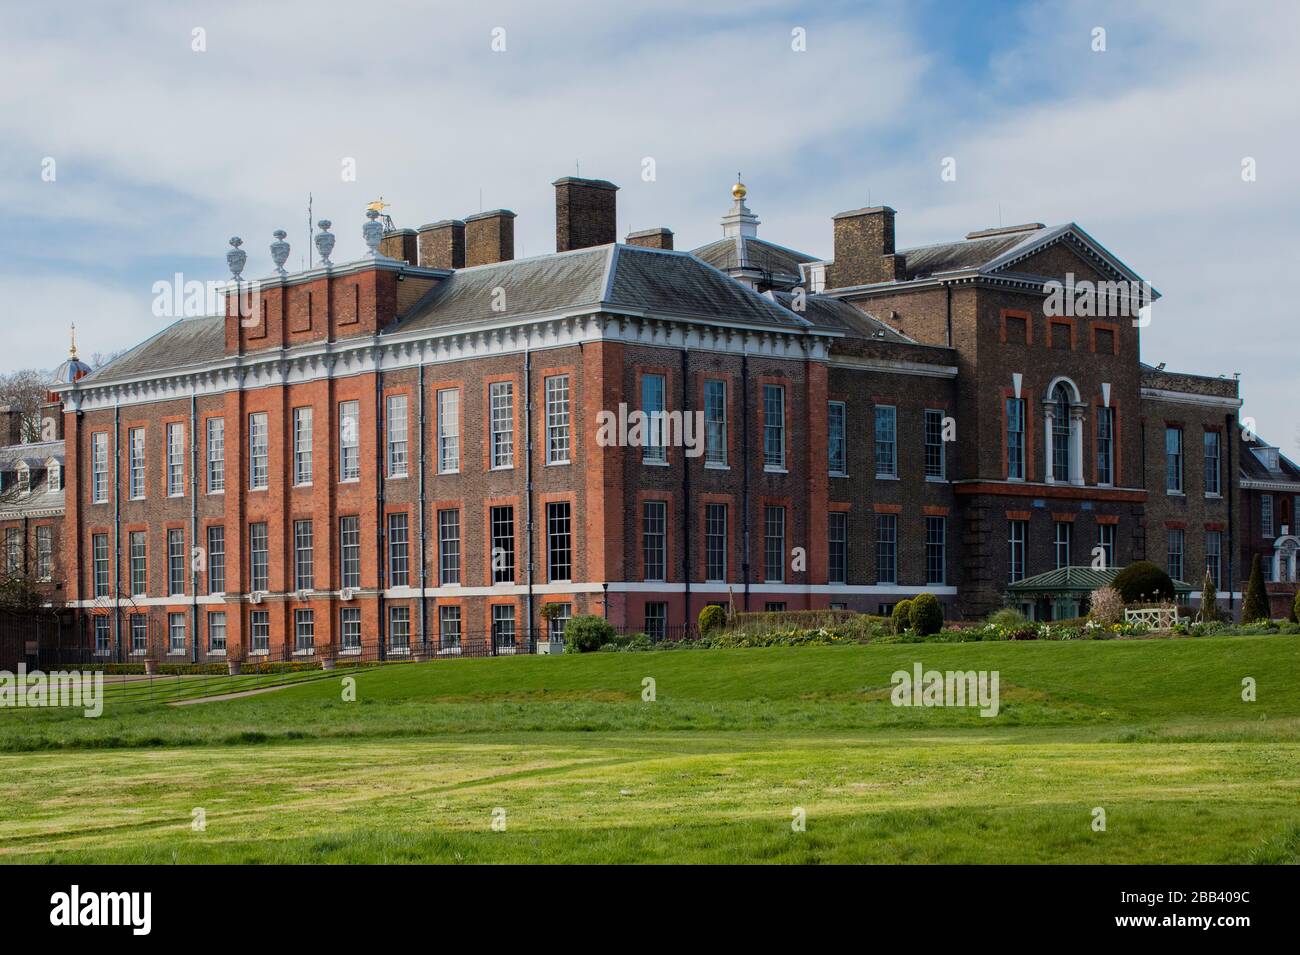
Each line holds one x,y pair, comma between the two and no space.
901,618
1209,600
926,614
1255,605
712,618
587,633
1143,581
1295,609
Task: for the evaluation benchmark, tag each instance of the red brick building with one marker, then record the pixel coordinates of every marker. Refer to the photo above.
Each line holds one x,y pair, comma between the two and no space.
414,450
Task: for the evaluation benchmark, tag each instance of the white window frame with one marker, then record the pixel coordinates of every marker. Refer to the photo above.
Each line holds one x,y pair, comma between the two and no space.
349,441
654,405
396,420
448,430
558,436
774,438
501,418
135,485
715,422
175,437
259,469
216,445
890,469
99,467
837,418
304,442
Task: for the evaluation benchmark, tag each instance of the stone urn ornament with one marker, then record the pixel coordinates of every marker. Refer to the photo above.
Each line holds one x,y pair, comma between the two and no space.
280,251
325,242
373,232
236,257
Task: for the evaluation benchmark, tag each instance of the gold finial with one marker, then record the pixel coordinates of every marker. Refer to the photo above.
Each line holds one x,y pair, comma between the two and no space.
72,344
378,205
738,191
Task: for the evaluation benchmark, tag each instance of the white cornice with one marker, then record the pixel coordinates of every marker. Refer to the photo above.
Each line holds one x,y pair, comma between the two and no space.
365,355
894,366
1187,398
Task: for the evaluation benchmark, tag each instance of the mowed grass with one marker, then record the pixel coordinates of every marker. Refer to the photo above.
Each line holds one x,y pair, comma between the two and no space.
735,744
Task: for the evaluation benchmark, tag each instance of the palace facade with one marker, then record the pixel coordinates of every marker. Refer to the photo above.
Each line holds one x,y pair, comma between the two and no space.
405,450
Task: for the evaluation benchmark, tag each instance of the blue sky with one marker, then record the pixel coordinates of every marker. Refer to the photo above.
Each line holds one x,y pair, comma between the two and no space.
162,152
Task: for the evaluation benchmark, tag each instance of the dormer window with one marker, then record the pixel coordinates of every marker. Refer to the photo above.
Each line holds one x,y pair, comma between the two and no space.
24,479
53,476
1268,457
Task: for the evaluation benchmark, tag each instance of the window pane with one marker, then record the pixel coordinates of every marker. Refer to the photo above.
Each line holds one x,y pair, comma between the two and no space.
773,426
397,436
654,541
715,422
886,441
502,406
653,391
557,419
448,431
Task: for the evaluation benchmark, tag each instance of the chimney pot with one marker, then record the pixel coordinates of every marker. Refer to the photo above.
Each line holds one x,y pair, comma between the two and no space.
585,213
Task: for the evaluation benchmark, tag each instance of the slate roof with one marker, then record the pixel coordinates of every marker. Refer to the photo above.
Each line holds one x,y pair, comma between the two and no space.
1074,580
927,260
190,341
741,252
1254,468
603,278
838,315
39,498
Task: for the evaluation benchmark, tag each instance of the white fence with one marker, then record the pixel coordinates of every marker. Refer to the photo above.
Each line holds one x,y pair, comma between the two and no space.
1157,618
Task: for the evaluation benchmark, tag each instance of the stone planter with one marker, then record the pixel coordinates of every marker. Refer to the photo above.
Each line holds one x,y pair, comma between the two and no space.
419,656
151,667
327,663
235,667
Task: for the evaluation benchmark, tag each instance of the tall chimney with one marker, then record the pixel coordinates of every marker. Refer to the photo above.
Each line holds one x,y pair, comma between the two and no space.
442,244
11,425
660,238
864,248
52,421
584,213
489,237
399,244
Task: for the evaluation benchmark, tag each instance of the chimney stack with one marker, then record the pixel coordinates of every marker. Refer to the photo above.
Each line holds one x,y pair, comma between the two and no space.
864,248
660,238
489,237
442,245
399,244
11,425
584,213
52,421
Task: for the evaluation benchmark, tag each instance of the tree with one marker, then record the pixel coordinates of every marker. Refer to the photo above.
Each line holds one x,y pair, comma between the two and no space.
1143,581
1106,606
587,633
1209,600
1255,607
26,389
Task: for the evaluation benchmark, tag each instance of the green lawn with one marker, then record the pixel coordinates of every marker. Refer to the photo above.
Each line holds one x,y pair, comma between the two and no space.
1153,731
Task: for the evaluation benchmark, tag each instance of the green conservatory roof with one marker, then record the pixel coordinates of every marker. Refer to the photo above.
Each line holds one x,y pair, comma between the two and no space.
1074,580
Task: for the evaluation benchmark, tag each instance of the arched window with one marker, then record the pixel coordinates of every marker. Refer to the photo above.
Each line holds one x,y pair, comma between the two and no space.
1061,432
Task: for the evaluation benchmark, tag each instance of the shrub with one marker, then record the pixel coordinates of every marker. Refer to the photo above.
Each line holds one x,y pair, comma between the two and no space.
1006,617
1143,581
902,616
712,618
1295,609
926,614
1107,606
587,633
1209,600
1255,607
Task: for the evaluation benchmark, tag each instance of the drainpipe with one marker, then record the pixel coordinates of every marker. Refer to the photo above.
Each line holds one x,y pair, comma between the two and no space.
381,470
744,470
1230,429
117,532
419,405
947,287
686,498
194,528
528,488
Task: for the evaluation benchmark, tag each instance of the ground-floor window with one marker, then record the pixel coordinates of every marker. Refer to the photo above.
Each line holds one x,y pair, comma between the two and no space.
139,633
217,632
1017,533
449,627
503,625
774,606
1176,544
176,633
259,625
656,620
399,629
350,628
555,626
304,630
